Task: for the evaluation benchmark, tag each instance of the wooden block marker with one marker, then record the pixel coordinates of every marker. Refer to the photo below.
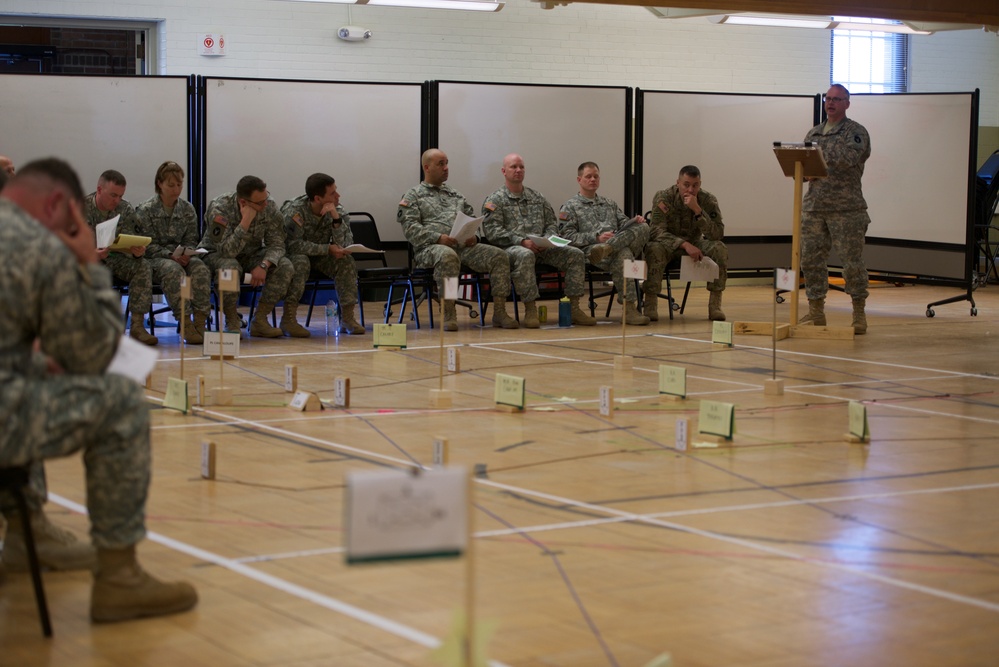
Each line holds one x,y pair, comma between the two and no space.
440,398
607,401
208,459
773,387
200,397
441,452
222,396
305,401
290,378
681,434
453,360
341,392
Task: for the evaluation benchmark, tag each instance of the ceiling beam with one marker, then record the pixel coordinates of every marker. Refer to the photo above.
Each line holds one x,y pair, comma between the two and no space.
980,12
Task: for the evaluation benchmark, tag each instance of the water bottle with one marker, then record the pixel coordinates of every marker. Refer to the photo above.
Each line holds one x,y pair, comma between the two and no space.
332,319
564,312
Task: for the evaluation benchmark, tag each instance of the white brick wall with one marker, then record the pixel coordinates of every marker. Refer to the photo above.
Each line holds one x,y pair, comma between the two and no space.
579,44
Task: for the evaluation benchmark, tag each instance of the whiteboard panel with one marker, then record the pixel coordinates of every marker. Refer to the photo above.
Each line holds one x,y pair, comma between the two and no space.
131,124
730,138
554,128
916,180
366,136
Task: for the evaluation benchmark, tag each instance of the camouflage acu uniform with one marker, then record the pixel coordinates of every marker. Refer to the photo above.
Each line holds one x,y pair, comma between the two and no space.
672,223
46,416
582,220
169,229
309,235
230,247
511,217
135,271
426,212
834,212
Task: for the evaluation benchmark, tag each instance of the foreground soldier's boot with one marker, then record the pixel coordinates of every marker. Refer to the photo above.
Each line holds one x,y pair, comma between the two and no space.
531,320
191,334
651,307
500,316
816,313
598,253
289,321
715,313
348,322
579,316
450,316
58,549
632,316
260,327
859,318
140,334
123,590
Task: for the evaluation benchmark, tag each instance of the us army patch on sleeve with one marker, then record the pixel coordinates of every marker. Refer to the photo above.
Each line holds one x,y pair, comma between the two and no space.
404,202
663,207
297,218
489,206
562,215
219,220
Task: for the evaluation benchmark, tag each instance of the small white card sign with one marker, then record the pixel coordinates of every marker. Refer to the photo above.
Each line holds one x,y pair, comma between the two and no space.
393,514
787,280
634,268
673,380
858,421
230,344
721,333
716,418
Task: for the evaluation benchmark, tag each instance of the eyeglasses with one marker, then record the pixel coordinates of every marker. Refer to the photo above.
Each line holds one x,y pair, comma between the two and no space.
261,202
826,98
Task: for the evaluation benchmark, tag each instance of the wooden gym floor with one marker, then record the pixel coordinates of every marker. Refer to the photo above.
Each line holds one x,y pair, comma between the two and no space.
598,543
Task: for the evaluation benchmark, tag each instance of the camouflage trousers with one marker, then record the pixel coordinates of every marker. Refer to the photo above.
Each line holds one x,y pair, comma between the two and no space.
344,274
138,275
168,273
658,256
570,261
285,280
447,262
627,244
105,416
844,232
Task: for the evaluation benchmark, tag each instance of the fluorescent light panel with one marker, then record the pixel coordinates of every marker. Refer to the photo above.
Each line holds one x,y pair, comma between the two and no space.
833,23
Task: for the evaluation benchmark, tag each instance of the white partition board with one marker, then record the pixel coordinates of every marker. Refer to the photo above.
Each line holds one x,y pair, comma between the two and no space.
366,136
131,124
730,138
554,128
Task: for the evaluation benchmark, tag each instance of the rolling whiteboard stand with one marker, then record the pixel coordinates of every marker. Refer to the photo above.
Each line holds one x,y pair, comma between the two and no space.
801,161
774,386
441,397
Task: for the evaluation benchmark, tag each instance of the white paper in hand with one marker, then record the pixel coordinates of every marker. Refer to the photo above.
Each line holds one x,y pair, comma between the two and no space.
464,227
133,360
106,231
703,271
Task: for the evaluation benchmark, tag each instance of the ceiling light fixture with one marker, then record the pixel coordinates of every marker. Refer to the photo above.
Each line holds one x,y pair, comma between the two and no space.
466,5
776,21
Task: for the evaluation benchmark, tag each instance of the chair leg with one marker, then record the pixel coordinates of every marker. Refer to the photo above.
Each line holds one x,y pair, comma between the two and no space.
36,568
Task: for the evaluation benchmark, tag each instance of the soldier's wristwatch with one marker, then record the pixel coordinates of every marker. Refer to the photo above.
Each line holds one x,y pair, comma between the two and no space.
263,265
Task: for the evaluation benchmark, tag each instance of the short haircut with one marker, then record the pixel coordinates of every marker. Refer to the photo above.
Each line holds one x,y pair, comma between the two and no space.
112,176
579,171
690,170
165,171
56,171
317,185
248,185
843,88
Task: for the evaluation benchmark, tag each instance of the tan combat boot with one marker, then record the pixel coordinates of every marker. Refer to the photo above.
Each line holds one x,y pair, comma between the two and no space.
233,322
531,320
816,313
191,334
200,322
715,313
137,332
58,549
348,322
500,316
598,253
289,321
651,307
259,325
123,590
632,316
579,315
859,318
450,316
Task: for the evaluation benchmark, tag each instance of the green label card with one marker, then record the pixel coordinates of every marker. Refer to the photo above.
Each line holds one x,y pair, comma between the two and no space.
673,380
509,390
717,418
858,420
176,395
390,335
721,332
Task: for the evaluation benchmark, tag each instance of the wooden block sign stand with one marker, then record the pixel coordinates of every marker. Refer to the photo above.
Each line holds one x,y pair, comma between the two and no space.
227,282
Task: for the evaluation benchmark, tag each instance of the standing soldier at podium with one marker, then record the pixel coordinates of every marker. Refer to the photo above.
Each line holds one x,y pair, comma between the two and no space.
834,212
